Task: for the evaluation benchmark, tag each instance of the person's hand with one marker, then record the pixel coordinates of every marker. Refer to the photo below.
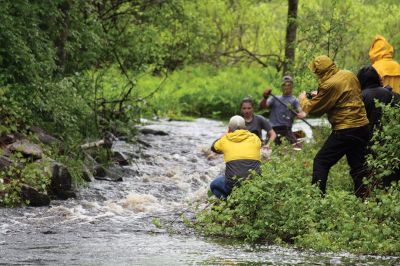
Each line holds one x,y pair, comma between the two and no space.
266,152
266,93
302,95
301,115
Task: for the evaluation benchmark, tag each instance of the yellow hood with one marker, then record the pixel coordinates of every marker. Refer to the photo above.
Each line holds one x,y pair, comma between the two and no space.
380,49
238,135
323,67
239,145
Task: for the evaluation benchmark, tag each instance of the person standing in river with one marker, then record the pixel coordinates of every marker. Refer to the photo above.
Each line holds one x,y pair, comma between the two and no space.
241,150
339,95
256,123
281,117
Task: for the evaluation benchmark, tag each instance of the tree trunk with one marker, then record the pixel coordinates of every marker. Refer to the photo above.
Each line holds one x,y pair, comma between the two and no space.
64,32
290,37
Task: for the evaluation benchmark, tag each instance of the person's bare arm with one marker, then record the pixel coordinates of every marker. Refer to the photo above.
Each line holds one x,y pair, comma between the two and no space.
271,137
263,102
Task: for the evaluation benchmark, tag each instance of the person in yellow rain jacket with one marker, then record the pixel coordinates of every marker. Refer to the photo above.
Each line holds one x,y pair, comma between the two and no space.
381,56
242,154
339,95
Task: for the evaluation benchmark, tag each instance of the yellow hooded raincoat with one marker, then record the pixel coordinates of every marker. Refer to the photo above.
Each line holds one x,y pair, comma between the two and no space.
239,145
381,56
241,150
339,95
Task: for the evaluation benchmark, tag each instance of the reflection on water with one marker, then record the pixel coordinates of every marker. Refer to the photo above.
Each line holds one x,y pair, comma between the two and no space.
136,222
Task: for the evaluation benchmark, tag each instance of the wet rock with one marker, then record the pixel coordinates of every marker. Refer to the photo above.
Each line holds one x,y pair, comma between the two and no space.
34,197
204,178
61,181
107,175
115,174
49,232
8,139
65,194
120,158
27,148
44,137
99,172
147,131
144,143
110,178
5,162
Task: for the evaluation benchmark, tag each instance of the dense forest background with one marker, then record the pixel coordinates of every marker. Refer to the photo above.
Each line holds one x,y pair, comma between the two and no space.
77,68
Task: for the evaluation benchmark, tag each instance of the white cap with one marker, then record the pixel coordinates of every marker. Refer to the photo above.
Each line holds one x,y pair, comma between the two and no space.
236,122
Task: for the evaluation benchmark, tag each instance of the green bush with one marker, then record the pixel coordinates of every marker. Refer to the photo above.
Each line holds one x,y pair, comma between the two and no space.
35,174
386,149
281,206
207,91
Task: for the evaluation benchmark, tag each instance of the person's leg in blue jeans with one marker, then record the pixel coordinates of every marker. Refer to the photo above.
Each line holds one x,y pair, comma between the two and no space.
219,187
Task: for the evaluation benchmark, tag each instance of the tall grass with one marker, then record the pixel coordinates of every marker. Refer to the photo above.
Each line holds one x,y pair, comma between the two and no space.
206,91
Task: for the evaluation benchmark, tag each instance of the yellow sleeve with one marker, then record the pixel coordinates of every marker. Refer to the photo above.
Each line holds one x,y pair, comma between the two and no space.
217,146
322,102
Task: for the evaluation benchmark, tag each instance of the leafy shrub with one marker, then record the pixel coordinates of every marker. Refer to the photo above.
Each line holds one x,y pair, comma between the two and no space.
281,206
386,149
35,174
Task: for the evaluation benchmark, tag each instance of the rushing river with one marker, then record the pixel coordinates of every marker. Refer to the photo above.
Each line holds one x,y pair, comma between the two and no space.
137,221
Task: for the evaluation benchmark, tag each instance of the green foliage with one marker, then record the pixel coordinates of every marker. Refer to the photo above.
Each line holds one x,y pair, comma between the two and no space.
35,174
386,150
281,206
207,91
156,222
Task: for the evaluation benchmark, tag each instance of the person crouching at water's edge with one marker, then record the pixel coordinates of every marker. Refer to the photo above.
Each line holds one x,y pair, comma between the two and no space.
241,150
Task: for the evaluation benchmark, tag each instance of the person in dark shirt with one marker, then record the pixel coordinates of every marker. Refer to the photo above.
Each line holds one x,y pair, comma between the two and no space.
281,116
371,89
256,123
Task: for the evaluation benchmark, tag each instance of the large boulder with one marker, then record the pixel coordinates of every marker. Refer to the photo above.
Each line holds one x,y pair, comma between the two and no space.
61,181
44,137
120,158
107,174
34,197
8,139
27,148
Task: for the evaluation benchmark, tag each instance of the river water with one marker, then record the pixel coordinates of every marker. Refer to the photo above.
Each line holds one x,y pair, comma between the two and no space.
137,221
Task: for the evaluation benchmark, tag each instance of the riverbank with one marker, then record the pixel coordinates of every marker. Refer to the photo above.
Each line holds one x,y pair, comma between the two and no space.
282,207
138,221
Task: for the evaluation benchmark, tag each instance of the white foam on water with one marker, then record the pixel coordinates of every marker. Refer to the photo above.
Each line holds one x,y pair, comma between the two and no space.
184,186
199,195
115,207
140,203
4,228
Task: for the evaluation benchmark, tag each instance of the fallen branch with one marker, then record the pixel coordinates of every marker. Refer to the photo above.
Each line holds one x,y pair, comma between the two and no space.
93,144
